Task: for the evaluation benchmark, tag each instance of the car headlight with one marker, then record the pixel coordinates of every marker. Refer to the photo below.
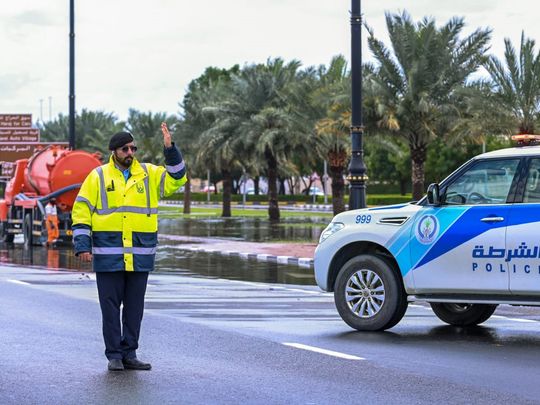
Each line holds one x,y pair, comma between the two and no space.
330,230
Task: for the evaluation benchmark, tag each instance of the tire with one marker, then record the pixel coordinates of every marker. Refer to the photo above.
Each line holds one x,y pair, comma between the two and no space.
369,294
27,230
463,314
4,236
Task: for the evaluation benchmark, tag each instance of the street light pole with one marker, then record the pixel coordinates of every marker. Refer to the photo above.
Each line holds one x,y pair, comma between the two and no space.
357,168
325,181
72,74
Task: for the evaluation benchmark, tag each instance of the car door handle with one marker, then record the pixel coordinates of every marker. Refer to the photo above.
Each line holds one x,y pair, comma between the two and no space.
492,219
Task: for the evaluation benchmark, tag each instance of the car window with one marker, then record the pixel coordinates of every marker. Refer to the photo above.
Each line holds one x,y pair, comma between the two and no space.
485,182
532,187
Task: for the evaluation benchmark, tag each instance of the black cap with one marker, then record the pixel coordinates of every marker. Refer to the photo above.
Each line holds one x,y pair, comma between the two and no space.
120,139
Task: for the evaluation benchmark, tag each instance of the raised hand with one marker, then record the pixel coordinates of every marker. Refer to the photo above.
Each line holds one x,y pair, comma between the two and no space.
167,141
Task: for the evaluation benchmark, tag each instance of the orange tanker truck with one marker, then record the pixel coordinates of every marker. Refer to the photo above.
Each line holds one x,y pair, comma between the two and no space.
51,173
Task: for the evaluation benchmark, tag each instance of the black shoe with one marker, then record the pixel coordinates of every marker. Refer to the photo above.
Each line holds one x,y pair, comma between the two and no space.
136,364
115,365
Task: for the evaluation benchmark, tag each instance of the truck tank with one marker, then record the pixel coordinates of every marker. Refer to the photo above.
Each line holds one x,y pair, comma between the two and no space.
55,168
53,172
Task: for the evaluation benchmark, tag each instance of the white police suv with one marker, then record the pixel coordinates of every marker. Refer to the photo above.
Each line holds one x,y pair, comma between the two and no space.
472,243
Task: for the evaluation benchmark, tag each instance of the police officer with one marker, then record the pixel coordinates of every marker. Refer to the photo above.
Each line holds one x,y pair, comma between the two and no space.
115,226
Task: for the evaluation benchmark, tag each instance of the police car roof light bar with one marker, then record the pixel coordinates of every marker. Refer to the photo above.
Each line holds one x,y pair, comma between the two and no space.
526,139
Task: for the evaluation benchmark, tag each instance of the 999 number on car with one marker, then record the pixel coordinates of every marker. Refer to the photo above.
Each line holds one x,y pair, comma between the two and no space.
363,219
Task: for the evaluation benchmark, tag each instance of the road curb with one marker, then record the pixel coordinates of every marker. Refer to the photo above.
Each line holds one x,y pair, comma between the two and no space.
305,262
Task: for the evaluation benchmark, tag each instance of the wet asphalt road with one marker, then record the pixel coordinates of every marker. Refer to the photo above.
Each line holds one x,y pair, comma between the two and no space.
229,341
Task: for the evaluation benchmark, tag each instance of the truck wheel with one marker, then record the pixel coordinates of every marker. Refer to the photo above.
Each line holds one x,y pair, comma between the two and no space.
369,294
27,229
463,314
4,236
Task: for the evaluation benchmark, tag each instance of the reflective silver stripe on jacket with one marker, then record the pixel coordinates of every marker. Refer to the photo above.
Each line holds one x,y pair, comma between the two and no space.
175,168
105,210
128,208
79,232
147,188
84,200
122,250
102,189
162,184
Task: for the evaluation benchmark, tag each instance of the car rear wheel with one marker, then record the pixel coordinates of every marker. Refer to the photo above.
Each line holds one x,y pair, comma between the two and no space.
369,294
463,314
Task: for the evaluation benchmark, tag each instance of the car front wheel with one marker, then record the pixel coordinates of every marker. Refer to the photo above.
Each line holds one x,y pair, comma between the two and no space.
463,314
369,294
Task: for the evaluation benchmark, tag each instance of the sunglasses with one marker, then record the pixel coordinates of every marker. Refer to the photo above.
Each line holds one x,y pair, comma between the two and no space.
126,148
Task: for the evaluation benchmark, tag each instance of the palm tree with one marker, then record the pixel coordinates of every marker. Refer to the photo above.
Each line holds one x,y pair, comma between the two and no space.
274,130
146,128
516,86
219,145
92,128
333,96
208,128
413,86
335,129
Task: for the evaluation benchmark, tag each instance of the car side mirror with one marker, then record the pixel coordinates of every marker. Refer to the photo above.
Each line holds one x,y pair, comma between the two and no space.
433,194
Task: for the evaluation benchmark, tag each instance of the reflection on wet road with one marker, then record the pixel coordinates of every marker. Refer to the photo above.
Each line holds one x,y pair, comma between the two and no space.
298,229
214,265
169,260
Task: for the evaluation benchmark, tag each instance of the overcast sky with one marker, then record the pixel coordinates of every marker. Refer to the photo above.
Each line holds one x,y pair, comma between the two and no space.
143,54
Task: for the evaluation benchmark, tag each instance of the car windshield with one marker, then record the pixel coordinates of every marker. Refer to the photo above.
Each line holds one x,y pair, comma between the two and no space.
485,182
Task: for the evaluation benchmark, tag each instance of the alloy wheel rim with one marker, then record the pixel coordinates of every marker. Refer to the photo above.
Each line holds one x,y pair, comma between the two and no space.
365,293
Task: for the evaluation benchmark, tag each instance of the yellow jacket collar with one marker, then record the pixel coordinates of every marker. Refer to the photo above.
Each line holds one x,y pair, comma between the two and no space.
135,168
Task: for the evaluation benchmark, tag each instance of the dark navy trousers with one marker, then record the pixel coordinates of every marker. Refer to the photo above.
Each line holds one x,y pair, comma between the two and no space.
126,289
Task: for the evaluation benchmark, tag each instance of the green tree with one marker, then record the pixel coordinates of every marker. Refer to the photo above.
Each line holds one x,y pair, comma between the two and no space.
219,144
146,128
414,84
333,134
388,160
516,85
93,130
273,130
209,130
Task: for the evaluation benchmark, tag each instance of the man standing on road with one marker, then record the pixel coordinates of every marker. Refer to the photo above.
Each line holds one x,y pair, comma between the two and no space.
115,226
51,218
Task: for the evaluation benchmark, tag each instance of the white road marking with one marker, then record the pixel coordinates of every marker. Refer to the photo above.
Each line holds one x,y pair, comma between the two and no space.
18,282
323,351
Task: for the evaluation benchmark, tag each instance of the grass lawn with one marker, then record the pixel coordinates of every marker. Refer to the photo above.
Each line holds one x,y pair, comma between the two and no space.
216,212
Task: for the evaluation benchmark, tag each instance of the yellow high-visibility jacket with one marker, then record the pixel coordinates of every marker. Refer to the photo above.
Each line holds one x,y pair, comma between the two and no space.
116,220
